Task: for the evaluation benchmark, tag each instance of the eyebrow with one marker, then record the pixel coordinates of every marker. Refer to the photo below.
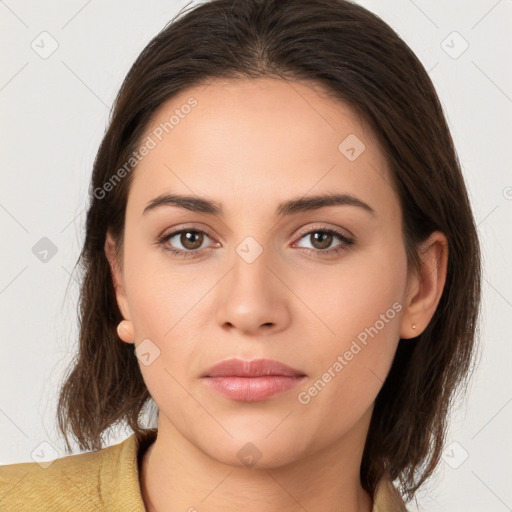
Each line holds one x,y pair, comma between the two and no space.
292,206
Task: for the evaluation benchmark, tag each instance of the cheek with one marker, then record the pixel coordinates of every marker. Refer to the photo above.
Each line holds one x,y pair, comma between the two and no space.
165,306
357,317
351,297
165,302
160,292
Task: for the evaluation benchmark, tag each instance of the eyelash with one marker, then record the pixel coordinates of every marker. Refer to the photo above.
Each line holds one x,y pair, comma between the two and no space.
347,242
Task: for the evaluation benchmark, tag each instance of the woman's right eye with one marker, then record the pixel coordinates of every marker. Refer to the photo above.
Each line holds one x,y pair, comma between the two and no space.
190,239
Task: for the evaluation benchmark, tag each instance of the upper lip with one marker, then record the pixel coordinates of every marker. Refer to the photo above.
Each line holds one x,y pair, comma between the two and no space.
254,368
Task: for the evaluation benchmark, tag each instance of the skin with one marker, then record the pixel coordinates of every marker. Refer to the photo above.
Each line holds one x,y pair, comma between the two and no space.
250,144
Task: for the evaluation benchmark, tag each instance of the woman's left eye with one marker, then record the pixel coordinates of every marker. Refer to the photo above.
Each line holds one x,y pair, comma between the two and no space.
193,239
324,240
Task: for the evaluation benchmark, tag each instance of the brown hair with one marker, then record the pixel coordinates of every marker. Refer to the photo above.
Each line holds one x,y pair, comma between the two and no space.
361,61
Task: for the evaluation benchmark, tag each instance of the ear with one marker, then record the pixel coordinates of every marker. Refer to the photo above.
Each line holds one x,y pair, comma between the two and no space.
425,287
125,329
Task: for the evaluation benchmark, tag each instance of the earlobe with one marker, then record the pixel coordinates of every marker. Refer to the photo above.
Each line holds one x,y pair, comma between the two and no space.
125,331
426,286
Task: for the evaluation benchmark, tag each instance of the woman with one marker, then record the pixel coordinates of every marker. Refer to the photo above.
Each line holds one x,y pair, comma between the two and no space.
287,376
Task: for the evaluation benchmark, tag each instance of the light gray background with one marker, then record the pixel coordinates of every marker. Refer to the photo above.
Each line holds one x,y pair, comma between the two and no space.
54,112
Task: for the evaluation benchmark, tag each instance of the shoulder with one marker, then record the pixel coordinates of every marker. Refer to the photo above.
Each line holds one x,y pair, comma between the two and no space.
387,498
67,480
82,482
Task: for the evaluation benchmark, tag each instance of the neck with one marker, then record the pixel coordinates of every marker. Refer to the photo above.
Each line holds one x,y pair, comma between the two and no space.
176,475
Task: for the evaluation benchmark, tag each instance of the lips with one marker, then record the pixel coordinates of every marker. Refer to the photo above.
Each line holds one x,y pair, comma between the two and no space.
254,368
252,381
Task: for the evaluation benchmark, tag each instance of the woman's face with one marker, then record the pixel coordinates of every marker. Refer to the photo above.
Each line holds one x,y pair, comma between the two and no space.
264,281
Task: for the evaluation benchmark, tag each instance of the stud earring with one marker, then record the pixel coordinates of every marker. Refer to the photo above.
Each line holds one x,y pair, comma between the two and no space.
413,326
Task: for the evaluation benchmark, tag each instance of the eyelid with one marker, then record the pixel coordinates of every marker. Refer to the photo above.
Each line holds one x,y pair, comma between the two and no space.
324,227
185,227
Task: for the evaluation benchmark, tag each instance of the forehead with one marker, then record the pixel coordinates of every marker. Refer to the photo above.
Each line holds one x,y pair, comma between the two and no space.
259,139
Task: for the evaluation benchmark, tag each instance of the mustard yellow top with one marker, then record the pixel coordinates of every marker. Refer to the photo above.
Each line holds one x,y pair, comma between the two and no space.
104,480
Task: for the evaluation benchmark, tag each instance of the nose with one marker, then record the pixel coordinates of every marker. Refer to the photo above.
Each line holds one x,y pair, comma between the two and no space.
253,297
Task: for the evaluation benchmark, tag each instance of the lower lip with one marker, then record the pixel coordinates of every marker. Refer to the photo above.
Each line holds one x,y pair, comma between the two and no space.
252,389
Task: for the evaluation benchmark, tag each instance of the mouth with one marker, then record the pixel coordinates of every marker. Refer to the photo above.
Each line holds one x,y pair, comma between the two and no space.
252,381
